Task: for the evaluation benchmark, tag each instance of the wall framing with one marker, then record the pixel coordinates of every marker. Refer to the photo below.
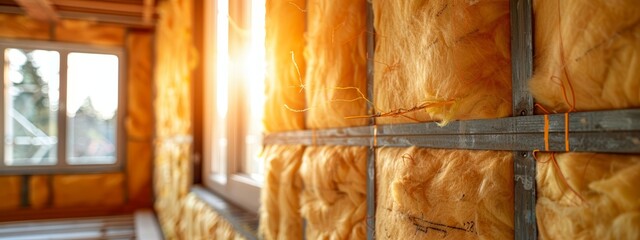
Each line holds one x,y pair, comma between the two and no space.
614,131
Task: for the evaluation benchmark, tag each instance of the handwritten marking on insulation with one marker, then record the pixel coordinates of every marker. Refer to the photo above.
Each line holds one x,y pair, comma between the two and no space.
424,226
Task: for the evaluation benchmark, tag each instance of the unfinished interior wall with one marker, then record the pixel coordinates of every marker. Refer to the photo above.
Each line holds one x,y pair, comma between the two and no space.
23,27
334,195
88,190
120,191
285,27
588,196
199,221
586,59
39,191
448,60
10,192
444,194
586,55
336,56
182,216
90,32
442,60
140,119
280,216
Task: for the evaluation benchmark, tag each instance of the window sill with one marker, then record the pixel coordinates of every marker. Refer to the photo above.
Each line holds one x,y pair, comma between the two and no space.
244,222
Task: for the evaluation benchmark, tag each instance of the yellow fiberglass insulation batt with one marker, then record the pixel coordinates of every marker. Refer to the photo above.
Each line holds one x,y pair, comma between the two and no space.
586,58
445,59
588,196
336,63
280,211
444,194
587,54
200,221
285,26
334,197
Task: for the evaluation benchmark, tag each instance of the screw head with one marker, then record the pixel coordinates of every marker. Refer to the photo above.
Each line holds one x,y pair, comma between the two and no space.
523,112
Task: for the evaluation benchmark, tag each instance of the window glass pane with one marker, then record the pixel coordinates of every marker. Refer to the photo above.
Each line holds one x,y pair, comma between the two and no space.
253,165
30,106
92,104
218,163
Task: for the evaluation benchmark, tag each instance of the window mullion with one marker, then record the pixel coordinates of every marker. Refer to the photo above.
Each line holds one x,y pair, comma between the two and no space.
62,112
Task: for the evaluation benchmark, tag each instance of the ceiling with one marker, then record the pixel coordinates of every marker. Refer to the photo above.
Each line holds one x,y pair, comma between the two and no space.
139,13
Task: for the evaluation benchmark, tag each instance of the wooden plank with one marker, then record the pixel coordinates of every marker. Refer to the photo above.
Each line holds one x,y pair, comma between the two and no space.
101,6
39,9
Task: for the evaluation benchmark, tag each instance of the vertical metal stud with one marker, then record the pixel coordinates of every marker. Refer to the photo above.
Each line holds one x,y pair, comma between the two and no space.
24,192
524,165
371,154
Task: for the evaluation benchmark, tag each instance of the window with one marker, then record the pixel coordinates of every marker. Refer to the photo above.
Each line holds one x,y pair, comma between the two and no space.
234,99
60,107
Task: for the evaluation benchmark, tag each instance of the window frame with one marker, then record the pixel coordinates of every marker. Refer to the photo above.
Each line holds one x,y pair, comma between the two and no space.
233,184
62,166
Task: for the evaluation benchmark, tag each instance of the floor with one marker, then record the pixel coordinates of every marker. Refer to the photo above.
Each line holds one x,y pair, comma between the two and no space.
141,225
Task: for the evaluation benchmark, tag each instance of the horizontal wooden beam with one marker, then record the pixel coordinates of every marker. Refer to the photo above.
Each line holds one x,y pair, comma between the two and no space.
101,6
132,21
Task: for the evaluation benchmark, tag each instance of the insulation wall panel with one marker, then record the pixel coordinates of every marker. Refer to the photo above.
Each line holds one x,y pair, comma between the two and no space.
171,184
443,59
175,59
285,27
588,196
182,216
19,26
39,191
88,190
444,194
333,200
199,221
586,55
280,216
174,62
10,192
78,31
586,59
336,59
139,119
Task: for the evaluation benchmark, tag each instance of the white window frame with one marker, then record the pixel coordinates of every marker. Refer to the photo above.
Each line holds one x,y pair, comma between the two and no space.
62,166
233,185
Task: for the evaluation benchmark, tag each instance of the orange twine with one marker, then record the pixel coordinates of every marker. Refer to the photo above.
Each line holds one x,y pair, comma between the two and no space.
557,168
546,132
566,131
